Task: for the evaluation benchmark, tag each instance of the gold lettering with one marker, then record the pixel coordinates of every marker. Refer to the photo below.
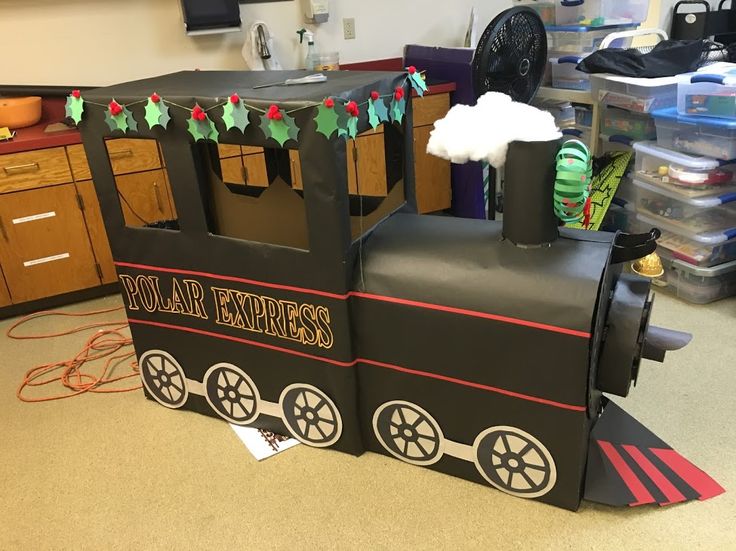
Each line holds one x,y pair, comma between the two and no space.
196,298
222,301
324,337
131,291
309,326
147,292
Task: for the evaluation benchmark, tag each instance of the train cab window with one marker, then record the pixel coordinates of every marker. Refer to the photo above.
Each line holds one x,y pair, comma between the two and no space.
375,176
252,196
142,184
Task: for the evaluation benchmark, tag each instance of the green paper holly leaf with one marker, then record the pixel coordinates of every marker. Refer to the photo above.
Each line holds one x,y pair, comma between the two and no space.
373,119
109,121
342,119
235,115
417,82
398,108
202,130
352,127
74,108
282,130
381,110
130,122
157,114
326,120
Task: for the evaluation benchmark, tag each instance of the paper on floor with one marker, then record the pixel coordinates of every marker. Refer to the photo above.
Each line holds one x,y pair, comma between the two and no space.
262,443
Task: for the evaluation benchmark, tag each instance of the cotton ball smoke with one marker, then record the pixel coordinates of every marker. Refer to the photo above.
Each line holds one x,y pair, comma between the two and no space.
483,132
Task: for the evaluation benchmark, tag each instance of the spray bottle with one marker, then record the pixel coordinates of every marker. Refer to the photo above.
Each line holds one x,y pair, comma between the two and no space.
312,56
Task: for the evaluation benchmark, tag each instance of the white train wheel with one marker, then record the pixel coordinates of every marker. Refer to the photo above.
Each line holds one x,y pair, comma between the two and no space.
231,393
310,415
408,432
163,378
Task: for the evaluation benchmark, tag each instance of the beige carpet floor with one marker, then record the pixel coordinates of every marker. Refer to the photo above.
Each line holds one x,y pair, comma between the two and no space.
121,472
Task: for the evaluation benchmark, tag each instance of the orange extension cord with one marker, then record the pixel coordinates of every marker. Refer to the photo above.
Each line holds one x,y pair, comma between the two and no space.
106,342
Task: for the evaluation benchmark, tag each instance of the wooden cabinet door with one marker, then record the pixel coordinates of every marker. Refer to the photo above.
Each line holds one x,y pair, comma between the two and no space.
370,164
296,169
254,170
96,230
432,175
4,293
44,246
144,197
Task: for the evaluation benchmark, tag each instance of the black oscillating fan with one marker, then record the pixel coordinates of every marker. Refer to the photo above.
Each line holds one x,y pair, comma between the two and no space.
511,55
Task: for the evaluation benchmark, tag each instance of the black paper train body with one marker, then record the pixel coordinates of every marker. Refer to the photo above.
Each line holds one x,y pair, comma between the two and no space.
350,322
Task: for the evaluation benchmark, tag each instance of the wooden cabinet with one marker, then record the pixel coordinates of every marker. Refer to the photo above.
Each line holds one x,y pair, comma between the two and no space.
144,197
96,230
435,192
44,246
4,293
254,169
32,169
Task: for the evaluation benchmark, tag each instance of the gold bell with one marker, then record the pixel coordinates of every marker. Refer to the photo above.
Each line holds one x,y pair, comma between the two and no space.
649,266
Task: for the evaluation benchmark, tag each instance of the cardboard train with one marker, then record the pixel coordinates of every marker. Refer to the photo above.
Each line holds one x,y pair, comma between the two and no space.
306,307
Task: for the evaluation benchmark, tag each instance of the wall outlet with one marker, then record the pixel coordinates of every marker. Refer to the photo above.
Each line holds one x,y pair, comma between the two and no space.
348,28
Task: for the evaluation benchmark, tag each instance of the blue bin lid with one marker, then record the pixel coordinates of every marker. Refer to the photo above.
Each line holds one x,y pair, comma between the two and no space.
671,114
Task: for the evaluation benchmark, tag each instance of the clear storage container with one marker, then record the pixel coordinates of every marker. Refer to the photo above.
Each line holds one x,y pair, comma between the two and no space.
565,75
691,251
708,94
688,212
707,136
658,165
600,12
633,125
695,283
616,142
583,116
643,95
544,8
580,40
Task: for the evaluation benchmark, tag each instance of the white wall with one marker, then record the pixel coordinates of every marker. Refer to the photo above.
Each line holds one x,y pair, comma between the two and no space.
99,42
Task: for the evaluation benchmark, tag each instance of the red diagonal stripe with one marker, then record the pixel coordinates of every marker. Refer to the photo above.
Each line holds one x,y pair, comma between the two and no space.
697,479
672,494
635,486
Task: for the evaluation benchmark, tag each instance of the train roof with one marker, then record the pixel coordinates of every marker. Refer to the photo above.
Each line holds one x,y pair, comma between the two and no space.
212,87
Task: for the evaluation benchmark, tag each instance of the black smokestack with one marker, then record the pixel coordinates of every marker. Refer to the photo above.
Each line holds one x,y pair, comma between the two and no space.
528,211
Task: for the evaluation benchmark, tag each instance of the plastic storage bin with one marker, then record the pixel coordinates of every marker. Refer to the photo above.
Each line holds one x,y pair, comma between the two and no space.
695,283
600,12
707,136
686,212
565,75
708,94
580,40
617,142
658,165
544,8
691,251
643,95
633,125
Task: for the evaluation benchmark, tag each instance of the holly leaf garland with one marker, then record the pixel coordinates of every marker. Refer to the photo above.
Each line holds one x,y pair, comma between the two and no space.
398,108
327,120
202,130
130,122
342,119
235,115
373,119
352,127
157,114
381,110
74,106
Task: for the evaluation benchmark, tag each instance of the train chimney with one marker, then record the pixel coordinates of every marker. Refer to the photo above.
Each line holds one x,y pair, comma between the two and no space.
528,212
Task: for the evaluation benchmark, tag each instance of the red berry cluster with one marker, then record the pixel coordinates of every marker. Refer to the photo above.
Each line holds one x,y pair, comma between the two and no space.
329,103
76,94
274,113
115,108
155,98
375,95
411,69
235,98
198,113
398,93
351,108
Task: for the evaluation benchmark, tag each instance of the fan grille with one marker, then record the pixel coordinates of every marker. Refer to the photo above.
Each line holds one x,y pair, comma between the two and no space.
511,55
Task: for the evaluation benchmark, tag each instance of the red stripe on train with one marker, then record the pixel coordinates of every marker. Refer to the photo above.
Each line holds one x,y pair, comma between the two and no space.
695,478
672,494
635,486
368,296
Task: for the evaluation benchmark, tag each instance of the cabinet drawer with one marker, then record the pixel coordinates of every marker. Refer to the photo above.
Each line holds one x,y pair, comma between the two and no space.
32,169
44,246
250,149
130,155
428,109
78,162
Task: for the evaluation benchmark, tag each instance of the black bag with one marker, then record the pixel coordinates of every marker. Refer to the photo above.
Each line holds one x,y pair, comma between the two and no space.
668,58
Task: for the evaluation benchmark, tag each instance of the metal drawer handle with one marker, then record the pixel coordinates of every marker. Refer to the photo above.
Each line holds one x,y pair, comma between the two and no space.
30,167
121,153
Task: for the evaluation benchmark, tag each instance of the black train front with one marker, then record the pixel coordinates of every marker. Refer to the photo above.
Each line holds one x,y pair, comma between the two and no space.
306,307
